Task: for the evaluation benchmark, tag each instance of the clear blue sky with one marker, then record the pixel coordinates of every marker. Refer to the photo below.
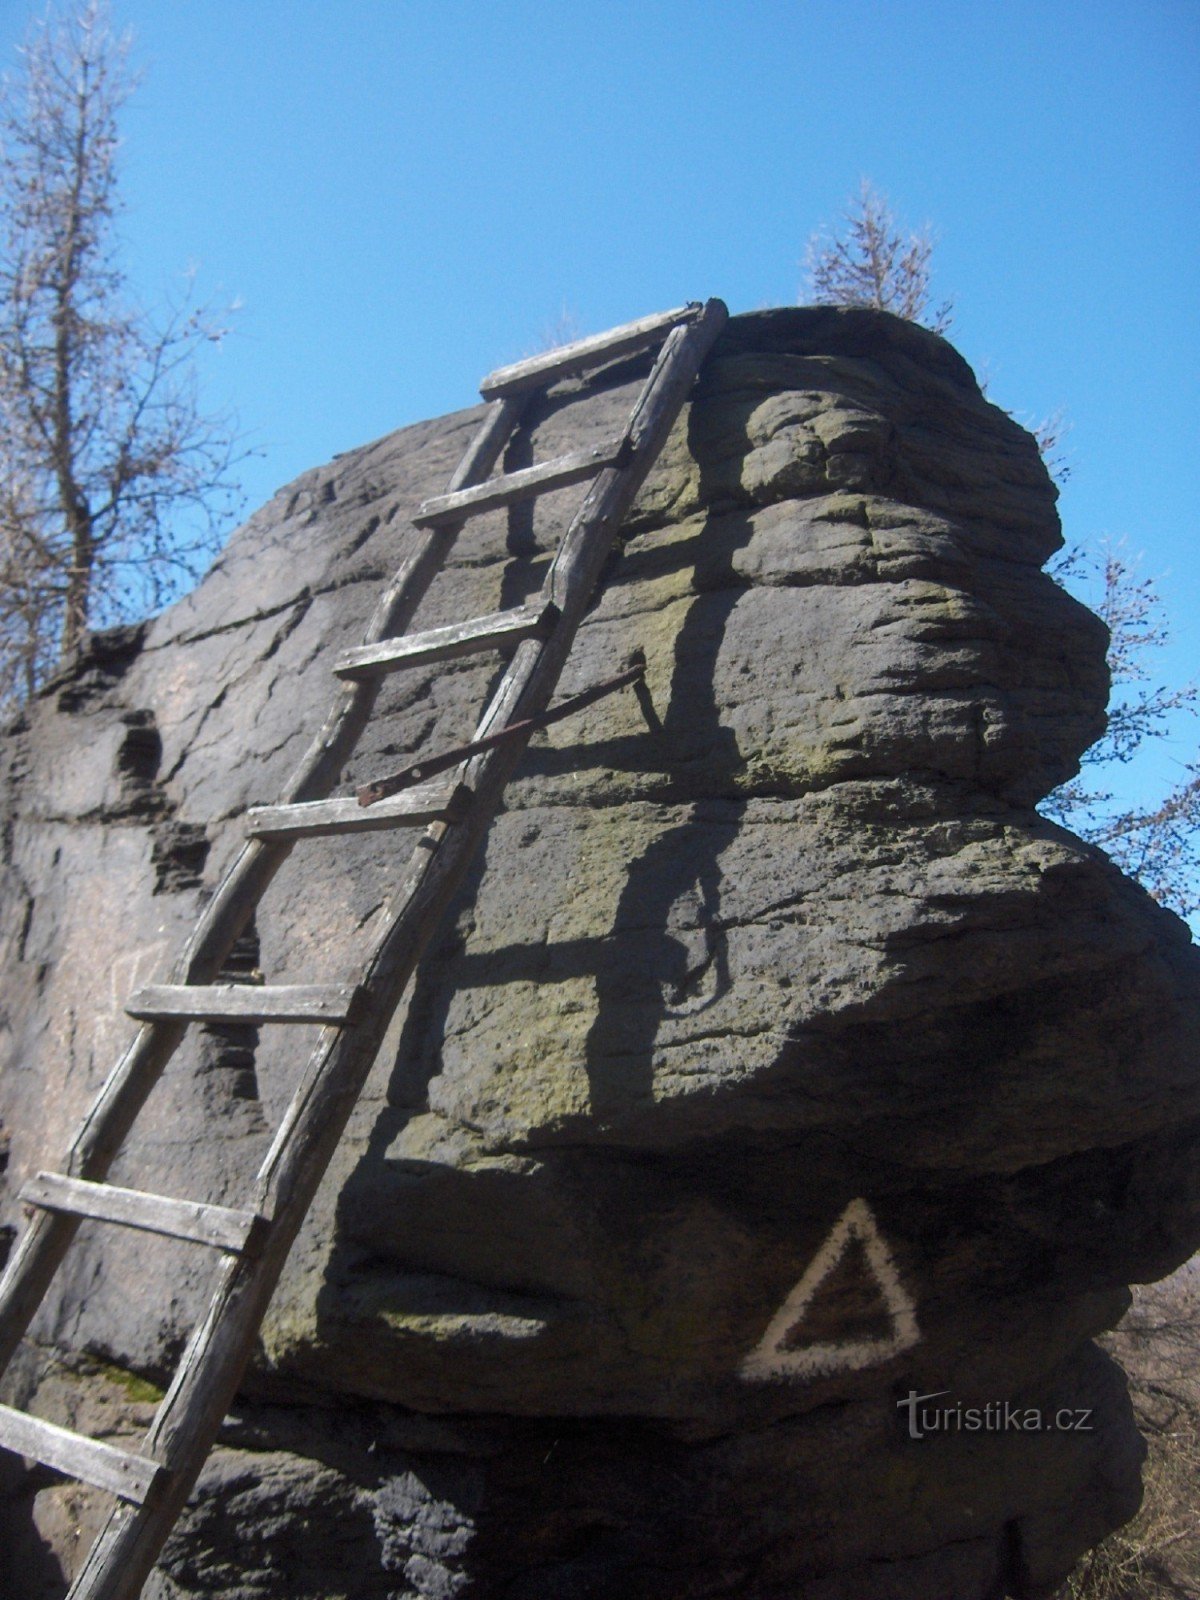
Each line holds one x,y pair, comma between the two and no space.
405,194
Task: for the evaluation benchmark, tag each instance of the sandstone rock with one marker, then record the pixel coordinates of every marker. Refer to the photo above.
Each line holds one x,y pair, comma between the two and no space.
785,997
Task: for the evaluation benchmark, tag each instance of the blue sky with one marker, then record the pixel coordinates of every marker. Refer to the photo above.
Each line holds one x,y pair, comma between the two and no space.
403,195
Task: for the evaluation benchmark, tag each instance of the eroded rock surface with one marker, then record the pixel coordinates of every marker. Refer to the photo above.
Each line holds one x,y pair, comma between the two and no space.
779,1062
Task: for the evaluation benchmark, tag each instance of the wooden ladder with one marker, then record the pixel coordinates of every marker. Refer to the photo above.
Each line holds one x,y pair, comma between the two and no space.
153,1482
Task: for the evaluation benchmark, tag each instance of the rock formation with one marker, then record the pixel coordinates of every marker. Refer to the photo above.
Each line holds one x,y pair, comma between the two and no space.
780,1062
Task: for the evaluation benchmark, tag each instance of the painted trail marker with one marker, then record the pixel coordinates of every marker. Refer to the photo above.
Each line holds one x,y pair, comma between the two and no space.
856,1243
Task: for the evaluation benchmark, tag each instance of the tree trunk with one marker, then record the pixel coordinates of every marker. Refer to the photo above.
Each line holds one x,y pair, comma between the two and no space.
79,578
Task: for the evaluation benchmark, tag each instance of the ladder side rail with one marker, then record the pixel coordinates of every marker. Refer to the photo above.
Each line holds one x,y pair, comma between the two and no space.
525,688
48,1235
574,572
320,768
104,1129
210,1370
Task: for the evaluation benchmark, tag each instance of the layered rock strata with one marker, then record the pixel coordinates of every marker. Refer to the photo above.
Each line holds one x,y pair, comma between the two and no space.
779,1064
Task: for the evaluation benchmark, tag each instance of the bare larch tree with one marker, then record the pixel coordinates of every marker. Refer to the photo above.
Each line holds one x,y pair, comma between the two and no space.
875,263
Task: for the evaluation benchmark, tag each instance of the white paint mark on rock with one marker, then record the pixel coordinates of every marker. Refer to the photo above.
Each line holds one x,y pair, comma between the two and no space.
128,971
772,1357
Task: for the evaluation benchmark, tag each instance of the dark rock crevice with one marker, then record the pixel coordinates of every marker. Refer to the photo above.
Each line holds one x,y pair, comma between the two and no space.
776,1060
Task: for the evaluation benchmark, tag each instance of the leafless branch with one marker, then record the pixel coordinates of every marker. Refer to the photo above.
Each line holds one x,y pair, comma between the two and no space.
1158,843
103,443
875,263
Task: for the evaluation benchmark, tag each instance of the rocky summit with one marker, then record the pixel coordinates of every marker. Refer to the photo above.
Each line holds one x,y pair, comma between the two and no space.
779,1115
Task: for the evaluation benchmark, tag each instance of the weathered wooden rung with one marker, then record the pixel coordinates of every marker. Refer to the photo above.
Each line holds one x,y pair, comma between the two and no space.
522,485
239,1002
133,1477
430,802
206,1379
240,1232
583,354
447,644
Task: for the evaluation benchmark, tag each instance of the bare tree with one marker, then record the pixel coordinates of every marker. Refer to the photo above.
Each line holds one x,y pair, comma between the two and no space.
1050,434
875,263
1158,843
115,481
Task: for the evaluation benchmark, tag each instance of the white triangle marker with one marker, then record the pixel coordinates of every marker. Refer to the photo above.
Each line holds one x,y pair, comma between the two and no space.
769,1359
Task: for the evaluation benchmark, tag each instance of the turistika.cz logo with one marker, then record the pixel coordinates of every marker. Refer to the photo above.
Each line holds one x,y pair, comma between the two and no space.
997,1416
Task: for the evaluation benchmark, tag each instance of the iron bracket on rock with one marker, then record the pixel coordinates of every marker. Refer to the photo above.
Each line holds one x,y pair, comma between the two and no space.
369,793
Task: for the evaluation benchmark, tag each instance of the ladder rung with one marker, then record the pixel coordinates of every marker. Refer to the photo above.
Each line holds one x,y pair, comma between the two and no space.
584,353
447,644
241,1002
428,802
102,1465
502,491
237,1231
186,1424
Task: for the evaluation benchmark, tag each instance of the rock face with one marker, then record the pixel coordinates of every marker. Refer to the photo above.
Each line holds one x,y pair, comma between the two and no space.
780,1063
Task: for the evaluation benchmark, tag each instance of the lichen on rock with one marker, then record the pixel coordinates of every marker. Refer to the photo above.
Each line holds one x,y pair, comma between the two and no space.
773,996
